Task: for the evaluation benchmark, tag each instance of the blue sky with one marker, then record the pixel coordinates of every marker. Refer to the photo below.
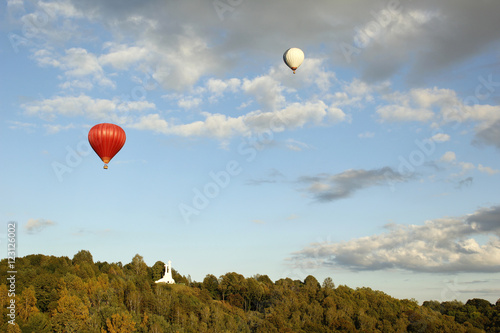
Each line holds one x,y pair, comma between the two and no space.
376,164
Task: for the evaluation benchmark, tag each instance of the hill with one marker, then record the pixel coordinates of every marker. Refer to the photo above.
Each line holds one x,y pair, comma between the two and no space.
58,294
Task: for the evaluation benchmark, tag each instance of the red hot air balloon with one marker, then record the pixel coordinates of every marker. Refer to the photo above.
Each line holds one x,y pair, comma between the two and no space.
106,140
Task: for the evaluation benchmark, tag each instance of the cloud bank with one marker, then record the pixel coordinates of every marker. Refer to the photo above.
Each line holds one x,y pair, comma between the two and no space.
446,245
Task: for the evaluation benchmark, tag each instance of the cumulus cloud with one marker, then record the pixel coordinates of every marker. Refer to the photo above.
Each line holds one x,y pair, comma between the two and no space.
392,113
487,170
76,63
84,105
449,157
37,225
436,246
327,188
266,90
387,36
210,46
121,56
440,137
220,126
444,106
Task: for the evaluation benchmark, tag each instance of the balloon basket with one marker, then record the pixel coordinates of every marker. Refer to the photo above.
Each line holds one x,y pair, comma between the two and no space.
105,166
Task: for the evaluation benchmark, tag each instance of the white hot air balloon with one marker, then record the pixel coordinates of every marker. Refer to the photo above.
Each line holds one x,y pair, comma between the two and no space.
293,58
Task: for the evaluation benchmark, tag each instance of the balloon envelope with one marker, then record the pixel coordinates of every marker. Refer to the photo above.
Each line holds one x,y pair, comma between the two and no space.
106,140
293,58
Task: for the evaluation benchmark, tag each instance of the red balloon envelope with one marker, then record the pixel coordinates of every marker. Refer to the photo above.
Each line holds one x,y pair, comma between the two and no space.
106,140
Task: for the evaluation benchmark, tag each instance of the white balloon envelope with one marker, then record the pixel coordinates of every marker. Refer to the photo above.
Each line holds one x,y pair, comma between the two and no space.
293,58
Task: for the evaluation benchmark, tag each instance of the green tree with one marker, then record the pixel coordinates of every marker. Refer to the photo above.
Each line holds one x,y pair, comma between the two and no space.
328,283
158,270
232,283
38,323
83,256
71,315
46,291
139,267
211,284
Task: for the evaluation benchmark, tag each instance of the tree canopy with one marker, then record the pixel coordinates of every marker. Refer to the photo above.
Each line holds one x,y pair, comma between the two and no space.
56,294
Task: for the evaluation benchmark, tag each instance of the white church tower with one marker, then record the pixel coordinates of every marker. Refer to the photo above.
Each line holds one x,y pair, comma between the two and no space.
167,278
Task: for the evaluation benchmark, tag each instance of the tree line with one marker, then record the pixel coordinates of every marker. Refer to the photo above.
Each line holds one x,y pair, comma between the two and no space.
58,294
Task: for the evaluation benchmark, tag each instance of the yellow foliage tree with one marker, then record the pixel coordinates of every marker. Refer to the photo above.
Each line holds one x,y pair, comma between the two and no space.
13,328
71,315
120,323
27,303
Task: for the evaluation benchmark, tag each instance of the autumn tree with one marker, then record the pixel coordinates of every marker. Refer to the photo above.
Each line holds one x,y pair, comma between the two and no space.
71,315
83,256
27,303
120,323
138,265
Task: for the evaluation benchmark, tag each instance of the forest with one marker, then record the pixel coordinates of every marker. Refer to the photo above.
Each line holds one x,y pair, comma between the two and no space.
59,294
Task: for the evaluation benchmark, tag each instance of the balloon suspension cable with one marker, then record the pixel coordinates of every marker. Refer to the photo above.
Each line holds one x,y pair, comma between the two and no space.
105,166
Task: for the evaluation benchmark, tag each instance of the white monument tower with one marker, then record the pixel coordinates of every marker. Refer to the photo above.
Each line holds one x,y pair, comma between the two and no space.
167,278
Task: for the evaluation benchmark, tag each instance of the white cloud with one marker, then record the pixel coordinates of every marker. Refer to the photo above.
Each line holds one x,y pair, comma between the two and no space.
220,126
189,103
335,114
182,62
37,225
448,157
83,105
122,56
296,145
441,245
266,90
440,137
76,63
218,87
366,135
21,125
392,113
151,122
487,170
53,129
15,3
466,166
65,9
